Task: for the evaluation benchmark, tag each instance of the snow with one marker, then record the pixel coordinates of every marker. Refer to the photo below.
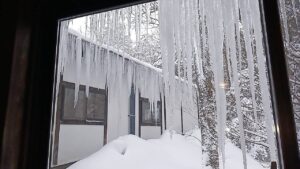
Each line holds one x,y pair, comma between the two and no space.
171,151
234,158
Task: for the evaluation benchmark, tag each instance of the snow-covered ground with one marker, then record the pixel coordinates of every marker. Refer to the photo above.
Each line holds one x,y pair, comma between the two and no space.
171,151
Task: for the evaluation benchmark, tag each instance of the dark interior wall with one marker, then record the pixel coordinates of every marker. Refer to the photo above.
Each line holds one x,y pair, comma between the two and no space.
17,17
6,48
12,47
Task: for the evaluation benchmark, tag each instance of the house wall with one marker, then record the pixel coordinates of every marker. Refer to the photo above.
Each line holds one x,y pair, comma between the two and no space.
78,141
117,115
150,132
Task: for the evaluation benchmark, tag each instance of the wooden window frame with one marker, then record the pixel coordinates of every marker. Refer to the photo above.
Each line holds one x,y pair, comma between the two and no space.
86,121
30,60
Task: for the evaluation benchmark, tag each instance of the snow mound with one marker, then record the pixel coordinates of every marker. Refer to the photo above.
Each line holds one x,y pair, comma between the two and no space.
234,158
171,151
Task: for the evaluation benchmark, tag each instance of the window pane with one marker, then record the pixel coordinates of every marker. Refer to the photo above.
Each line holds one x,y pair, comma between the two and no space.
69,111
96,106
158,112
146,113
148,116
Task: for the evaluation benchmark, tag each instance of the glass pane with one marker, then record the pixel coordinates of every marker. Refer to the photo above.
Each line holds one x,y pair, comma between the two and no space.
96,106
146,113
150,117
71,112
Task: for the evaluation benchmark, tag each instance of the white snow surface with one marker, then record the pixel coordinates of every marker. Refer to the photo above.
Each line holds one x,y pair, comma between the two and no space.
171,151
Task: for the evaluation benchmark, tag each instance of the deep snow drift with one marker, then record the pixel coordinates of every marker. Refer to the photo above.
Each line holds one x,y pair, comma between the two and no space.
171,151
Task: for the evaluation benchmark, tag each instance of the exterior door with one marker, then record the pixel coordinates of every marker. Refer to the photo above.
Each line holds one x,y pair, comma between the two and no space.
131,114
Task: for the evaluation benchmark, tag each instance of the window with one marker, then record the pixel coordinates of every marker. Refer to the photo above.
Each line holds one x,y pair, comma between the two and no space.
150,116
88,110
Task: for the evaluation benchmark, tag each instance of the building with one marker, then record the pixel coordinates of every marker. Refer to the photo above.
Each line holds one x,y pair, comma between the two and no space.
101,96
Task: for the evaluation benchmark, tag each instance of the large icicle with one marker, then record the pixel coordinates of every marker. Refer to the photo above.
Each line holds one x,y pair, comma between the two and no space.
245,16
78,68
196,40
188,44
215,41
263,79
283,12
88,65
167,51
230,16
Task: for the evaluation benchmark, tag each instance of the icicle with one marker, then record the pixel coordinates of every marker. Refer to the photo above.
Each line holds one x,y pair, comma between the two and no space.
233,47
140,21
136,19
189,49
129,11
108,40
78,68
196,41
180,37
167,50
147,17
284,20
123,28
227,25
247,37
238,29
113,28
63,50
88,67
263,80
117,30
215,32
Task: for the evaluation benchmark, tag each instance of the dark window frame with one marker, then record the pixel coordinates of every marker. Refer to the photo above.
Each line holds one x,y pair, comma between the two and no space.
86,121
142,123
32,35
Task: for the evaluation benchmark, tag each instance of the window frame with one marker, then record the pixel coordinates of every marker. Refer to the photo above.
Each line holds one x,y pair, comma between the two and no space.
30,46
